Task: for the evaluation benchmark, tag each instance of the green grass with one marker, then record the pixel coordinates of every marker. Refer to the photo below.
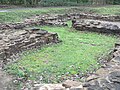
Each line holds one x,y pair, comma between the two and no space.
18,15
114,10
76,54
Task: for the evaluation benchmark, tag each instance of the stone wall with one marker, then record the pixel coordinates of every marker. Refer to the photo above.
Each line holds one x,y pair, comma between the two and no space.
13,42
94,16
56,19
70,16
60,19
49,19
32,22
96,26
4,26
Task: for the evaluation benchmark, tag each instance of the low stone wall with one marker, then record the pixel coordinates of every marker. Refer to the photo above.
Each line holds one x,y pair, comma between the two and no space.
49,19
71,16
94,16
4,26
60,19
13,42
56,19
96,26
37,20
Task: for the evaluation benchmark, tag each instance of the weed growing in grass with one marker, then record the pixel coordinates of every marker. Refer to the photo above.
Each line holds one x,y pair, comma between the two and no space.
76,55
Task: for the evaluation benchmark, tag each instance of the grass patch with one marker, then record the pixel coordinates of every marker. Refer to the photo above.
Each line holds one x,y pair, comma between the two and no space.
17,15
114,10
76,55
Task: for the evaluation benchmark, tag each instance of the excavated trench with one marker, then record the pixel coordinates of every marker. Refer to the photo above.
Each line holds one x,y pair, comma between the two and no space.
13,42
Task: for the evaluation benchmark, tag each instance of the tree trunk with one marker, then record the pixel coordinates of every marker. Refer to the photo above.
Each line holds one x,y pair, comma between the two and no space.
25,2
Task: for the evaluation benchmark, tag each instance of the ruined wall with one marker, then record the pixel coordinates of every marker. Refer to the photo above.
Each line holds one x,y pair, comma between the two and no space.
54,20
108,76
13,42
112,18
96,26
57,20
4,26
49,19
24,39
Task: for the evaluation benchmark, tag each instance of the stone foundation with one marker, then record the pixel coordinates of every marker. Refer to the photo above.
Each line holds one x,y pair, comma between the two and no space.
51,20
56,19
4,26
96,26
113,18
13,42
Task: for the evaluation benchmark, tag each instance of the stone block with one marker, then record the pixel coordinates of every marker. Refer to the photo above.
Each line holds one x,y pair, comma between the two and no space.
70,83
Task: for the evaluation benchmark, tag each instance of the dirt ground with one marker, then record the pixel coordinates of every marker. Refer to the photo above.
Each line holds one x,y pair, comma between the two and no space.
4,80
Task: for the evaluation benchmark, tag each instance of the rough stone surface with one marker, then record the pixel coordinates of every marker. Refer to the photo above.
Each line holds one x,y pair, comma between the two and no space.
58,20
92,77
96,26
67,85
70,83
52,87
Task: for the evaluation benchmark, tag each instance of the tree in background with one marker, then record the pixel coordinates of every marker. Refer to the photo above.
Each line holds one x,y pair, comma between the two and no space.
20,2
58,2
